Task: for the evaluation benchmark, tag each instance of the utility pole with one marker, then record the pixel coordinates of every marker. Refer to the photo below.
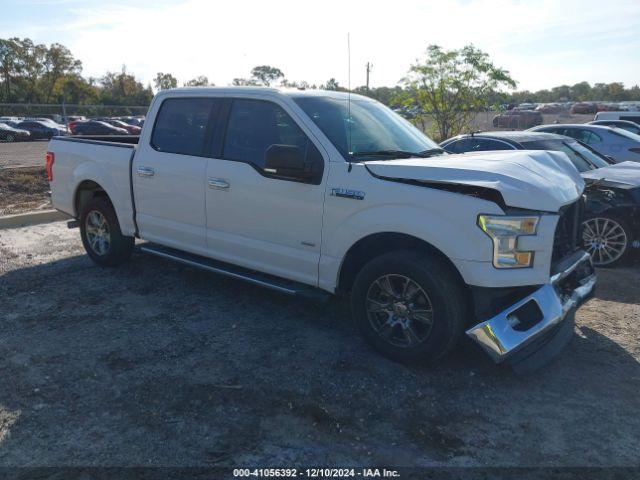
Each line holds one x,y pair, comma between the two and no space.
369,67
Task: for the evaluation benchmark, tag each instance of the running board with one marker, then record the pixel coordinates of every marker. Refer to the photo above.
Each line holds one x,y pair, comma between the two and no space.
251,276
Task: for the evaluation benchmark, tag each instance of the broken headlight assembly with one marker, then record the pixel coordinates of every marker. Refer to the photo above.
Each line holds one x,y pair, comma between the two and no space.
504,231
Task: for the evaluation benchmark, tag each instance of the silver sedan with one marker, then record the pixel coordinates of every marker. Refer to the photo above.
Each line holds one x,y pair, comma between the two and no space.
616,143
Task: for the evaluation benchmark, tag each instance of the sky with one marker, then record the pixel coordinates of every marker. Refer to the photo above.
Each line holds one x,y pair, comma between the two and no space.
543,43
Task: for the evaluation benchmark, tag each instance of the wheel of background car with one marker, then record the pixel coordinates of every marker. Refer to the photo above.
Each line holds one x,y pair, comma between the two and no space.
607,239
101,235
10,137
409,305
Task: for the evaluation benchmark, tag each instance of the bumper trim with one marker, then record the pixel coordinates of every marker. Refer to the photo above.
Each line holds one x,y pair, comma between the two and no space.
498,337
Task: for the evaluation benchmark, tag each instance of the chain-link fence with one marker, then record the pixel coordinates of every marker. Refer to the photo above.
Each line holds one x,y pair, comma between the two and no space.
60,112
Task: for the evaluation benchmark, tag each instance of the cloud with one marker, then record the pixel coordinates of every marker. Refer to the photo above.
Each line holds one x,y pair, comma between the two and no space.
542,42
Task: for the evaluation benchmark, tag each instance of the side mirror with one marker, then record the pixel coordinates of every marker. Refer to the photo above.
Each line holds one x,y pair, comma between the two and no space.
285,160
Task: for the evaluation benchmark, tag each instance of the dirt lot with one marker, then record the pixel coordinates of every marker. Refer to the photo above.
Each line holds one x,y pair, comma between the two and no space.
153,363
23,190
23,154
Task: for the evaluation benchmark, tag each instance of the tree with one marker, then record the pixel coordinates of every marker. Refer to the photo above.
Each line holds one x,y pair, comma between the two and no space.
199,81
332,84
266,75
244,82
58,62
123,89
164,81
453,85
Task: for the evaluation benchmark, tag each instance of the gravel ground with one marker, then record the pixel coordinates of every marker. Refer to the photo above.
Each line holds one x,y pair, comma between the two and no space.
23,154
23,190
153,364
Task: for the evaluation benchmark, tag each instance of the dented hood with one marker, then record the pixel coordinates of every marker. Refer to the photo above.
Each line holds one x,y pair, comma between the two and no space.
536,180
625,172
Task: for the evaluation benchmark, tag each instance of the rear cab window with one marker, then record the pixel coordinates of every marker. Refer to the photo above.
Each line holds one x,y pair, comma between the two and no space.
181,125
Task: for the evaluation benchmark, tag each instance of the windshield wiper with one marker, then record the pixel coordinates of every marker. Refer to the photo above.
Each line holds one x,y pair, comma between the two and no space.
399,153
432,151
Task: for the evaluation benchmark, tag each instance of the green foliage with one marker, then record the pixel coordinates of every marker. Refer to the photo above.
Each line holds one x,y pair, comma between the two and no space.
123,89
266,75
452,85
165,81
200,81
332,84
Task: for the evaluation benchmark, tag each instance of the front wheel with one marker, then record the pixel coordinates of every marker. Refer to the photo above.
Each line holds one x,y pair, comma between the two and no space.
101,235
409,305
607,239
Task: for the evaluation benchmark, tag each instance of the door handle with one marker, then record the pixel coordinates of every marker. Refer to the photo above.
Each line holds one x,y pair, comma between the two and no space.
146,172
218,183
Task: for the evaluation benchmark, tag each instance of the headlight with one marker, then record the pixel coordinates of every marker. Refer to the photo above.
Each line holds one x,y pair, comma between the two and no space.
504,232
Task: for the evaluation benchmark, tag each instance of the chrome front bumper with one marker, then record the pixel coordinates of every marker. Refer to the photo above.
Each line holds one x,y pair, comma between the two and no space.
505,334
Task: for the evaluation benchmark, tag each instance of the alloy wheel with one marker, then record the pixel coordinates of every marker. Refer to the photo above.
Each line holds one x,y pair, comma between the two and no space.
605,239
399,310
98,233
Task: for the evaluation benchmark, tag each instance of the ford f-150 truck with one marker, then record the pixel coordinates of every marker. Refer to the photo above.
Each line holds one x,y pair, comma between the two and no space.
315,193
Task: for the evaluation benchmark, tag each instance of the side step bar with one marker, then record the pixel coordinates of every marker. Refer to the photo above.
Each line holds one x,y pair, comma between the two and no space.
251,276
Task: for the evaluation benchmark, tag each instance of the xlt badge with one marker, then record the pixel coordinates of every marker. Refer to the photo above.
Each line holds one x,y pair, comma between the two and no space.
347,193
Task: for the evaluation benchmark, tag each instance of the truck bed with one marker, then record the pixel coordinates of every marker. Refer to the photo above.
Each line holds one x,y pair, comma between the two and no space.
128,139
105,160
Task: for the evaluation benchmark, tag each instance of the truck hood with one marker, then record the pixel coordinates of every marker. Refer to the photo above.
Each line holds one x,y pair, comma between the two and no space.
535,180
627,173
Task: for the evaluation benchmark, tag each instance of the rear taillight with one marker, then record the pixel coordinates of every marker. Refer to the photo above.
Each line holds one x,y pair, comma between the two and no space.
635,150
49,165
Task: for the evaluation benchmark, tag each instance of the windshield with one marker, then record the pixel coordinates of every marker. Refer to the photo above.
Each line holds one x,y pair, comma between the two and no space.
371,127
583,158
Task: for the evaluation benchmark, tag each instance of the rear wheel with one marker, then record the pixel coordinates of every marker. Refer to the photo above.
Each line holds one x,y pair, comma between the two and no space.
101,235
409,305
10,137
607,239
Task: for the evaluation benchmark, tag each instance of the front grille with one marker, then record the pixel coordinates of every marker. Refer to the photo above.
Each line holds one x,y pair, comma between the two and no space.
567,239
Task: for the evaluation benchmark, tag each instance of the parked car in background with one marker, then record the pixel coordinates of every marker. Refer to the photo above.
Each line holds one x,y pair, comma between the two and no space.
620,145
39,129
137,121
132,129
526,106
623,124
611,227
517,119
11,134
549,108
584,107
629,116
95,127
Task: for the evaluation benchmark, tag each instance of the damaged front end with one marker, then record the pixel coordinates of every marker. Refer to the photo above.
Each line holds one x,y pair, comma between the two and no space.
531,330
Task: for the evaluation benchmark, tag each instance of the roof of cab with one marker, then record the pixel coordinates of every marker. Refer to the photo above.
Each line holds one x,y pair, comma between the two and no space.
290,92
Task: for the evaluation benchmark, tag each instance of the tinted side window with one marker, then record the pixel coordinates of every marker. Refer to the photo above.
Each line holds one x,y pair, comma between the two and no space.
255,125
460,146
585,136
181,125
487,144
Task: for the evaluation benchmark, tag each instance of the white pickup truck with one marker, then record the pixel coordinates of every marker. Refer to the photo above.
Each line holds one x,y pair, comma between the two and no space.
315,193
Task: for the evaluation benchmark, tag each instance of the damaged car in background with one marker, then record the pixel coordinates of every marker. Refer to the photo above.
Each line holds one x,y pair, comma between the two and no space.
611,227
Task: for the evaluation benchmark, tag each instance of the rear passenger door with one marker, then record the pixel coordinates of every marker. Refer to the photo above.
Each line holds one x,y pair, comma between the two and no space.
169,174
255,218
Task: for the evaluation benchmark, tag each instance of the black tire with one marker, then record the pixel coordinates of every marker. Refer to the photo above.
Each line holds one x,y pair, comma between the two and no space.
599,256
444,291
10,137
118,248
